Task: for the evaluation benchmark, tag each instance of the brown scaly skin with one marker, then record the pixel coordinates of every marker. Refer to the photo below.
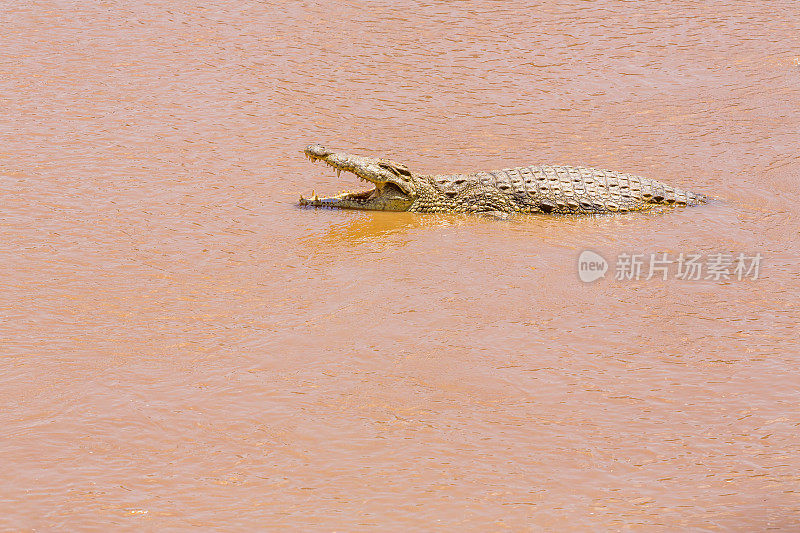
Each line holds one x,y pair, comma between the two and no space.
537,189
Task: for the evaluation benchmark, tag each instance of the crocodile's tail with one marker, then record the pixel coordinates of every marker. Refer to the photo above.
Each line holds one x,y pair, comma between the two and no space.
659,193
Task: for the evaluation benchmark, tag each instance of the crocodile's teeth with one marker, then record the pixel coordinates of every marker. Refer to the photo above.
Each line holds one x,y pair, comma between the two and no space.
338,173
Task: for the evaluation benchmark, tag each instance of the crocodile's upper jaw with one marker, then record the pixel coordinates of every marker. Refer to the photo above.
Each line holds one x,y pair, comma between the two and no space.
394,187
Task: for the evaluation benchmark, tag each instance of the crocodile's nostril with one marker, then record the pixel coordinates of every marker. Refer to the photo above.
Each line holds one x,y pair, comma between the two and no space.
317,150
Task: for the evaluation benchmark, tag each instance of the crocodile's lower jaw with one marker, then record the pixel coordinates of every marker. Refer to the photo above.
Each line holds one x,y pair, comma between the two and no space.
346,200
384,197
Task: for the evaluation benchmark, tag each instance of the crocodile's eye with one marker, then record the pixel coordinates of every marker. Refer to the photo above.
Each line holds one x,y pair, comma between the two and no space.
397,169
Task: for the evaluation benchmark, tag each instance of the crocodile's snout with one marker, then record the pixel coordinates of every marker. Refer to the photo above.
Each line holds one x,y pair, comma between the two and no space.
316,150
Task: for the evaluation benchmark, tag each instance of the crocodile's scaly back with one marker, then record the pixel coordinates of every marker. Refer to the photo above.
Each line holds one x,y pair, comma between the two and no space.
547,189
537,189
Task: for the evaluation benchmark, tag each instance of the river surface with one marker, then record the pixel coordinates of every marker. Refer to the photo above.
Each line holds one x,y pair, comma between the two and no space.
183,346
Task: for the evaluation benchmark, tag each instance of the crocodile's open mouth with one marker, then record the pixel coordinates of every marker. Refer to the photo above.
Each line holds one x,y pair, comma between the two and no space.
362,197
385,195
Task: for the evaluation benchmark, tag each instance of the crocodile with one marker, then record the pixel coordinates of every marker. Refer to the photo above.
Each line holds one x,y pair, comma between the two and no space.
534,189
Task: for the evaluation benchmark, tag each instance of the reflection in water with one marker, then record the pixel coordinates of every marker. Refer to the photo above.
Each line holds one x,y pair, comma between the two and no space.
377,226
363,226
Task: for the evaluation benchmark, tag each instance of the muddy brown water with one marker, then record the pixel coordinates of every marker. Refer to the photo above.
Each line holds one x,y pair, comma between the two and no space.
183,346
